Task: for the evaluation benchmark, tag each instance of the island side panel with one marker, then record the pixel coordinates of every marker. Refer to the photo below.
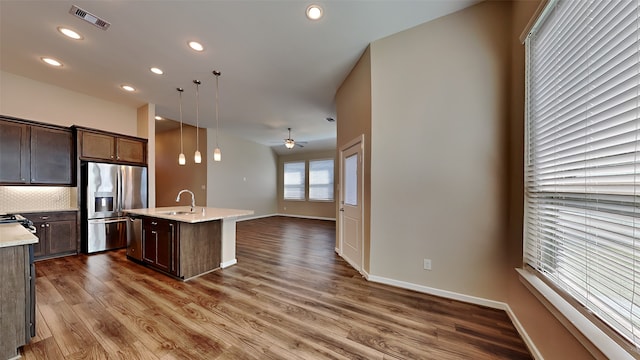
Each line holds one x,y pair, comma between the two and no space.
228,242
13,299
200,245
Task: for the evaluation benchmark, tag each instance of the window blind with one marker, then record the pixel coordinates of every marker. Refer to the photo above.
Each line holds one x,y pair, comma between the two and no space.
582,176
294,180
321,180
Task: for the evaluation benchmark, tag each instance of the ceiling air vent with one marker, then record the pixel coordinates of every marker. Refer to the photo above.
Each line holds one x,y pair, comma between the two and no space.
89,17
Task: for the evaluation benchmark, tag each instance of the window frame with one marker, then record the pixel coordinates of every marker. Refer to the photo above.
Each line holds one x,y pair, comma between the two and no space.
332,184
603,336
304,180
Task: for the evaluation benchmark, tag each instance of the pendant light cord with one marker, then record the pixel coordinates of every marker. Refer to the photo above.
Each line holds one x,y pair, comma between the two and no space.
197,82
180,90
217,74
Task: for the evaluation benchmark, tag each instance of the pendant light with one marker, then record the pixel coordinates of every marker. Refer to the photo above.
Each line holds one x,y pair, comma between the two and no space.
197,157
181,159
217,155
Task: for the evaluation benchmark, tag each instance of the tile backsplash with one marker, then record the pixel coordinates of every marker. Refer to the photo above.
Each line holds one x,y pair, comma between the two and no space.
15,199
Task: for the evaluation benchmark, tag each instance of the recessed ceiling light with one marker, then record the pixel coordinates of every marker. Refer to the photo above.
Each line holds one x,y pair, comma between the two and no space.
314,12
51,61
159,117
128,88
69,33
196,46
156,70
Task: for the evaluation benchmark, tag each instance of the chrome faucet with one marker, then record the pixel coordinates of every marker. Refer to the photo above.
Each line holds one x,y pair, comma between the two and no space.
193,198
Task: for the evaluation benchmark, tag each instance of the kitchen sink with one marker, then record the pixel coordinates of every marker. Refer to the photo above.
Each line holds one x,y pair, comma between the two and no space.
177,213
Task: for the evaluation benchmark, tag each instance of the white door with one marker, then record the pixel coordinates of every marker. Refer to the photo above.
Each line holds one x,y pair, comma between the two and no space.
351,203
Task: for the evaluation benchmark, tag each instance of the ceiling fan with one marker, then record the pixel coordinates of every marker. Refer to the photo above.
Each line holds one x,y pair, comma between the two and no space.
289,143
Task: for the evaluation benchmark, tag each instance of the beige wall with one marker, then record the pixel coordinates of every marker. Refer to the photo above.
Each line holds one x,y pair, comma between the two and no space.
446,102
439,105
171,177
245,178
147,130
353,109
319,209
33,100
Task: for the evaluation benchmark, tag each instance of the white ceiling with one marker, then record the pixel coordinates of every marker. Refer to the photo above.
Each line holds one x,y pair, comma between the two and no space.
279,69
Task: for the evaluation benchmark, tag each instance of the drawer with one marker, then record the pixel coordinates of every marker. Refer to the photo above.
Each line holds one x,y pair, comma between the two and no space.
51,216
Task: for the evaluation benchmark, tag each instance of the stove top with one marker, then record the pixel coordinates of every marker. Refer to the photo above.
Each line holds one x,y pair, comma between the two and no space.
17,218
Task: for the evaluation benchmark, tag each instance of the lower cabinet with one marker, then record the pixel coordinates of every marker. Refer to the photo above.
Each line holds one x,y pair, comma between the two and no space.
183,250
57,232
160,244
16,296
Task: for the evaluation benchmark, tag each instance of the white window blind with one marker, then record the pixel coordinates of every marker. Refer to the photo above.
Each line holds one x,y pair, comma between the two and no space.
294,180
321,180
582,196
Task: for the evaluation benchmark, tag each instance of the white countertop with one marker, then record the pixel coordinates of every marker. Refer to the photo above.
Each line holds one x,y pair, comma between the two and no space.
14,235
201,214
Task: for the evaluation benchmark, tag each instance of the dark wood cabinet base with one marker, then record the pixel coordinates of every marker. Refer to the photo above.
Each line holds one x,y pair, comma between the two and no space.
182,250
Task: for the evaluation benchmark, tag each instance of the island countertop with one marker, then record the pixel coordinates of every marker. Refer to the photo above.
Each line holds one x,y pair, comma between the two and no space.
184,214
14,235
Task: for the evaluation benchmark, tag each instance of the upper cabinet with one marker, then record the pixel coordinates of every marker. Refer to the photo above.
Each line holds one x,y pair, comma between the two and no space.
34,153
104,146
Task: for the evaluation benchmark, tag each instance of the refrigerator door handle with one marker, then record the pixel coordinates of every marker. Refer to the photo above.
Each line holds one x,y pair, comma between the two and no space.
120,188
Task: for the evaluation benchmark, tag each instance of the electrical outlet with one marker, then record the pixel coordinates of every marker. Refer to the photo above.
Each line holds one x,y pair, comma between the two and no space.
427,264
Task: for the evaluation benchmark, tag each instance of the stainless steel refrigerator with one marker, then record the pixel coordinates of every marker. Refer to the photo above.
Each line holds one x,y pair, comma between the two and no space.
107,191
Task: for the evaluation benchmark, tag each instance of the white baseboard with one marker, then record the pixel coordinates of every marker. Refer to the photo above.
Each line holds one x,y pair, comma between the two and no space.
255,217
523,333
438,292
465,298
287,215
307,217
226,264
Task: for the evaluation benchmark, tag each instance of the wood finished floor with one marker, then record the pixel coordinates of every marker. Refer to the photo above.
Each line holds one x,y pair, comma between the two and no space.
289,297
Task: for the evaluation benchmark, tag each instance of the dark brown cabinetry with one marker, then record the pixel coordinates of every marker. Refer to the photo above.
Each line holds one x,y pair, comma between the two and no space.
184,250
14,152
57,232
160,244
15,300
35,154
103,146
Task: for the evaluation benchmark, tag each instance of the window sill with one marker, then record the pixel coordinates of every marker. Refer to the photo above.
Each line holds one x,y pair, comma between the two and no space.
596,341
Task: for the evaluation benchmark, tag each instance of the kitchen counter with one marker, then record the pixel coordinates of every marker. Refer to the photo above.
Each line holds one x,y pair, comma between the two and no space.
187,244
201,214
14,235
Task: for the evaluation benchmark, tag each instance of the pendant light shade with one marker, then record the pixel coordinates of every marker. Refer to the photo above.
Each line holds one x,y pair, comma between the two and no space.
197,157
217,155
181,159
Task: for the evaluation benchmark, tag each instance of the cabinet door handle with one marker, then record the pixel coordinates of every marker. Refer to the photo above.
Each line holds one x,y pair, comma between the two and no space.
44,217
42,225
154,223
47,225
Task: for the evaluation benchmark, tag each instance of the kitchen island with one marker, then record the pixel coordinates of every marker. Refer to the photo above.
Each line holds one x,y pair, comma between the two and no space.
187,242
17,291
